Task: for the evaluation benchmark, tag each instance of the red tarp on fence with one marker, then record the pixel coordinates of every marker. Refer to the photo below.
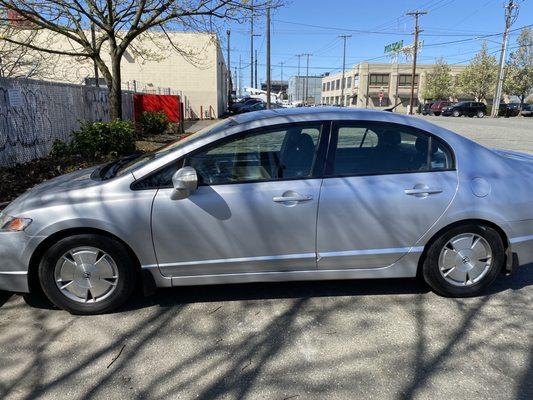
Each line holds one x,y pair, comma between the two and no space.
170,105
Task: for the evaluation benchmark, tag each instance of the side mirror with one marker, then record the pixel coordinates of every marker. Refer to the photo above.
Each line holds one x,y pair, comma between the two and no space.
184,182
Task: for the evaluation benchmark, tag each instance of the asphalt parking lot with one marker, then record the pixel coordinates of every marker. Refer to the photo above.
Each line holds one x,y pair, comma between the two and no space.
315,340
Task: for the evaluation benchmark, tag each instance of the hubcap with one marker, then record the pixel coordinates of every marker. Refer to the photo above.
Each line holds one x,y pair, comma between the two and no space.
465,259
86,275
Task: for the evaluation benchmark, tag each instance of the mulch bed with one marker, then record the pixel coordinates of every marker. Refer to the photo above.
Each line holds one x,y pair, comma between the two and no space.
16,180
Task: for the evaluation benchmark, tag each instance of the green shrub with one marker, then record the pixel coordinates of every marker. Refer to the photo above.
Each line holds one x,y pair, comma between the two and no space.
61,148
100,139
153,122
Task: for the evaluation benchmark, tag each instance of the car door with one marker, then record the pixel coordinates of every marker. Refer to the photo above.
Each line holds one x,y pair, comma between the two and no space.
383,189
253,212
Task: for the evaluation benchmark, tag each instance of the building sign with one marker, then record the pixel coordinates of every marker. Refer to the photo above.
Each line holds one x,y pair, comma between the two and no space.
394,47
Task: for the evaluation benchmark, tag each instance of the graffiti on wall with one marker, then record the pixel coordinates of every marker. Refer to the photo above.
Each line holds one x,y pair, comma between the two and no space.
34,114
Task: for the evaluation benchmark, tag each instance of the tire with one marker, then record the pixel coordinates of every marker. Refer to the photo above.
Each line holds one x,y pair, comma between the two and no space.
481,114
436,263
78,264
437,113
456,113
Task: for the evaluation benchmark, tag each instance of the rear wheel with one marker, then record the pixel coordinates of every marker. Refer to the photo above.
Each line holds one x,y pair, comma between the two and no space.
87,274
463,261
480,114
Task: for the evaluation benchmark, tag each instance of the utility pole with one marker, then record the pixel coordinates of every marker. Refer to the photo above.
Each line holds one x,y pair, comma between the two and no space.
343,81
268,56
306,92
298,79
252,45
240,76
256,85
415,14
228,33
508,22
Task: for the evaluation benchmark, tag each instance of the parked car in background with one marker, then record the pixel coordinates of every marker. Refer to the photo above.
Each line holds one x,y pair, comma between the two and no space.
256,107
509,110
468,108
278,195
235,107
527,110
436,107
426,109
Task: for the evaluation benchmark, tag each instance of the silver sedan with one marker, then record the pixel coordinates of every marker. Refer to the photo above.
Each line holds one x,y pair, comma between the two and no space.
278,195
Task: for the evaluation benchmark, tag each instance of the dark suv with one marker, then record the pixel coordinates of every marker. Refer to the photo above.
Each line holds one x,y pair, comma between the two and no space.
509,110
438,106
469,108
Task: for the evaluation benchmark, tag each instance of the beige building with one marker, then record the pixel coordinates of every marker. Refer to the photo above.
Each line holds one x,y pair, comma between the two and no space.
378,85
191,65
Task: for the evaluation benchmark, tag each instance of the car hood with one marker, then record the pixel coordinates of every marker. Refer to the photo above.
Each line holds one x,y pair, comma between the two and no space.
56,190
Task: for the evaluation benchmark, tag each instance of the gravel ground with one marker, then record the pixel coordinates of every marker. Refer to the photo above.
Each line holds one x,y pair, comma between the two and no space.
316,340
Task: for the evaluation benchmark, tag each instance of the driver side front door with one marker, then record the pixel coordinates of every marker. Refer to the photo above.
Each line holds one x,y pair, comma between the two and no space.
254,210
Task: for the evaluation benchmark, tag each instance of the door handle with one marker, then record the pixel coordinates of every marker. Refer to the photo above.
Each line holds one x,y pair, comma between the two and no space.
422,191
283,199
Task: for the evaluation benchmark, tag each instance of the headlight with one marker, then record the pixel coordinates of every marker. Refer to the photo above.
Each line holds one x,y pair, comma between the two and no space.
13,224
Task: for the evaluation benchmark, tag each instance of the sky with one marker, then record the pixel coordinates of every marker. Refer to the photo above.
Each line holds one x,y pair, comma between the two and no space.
451,30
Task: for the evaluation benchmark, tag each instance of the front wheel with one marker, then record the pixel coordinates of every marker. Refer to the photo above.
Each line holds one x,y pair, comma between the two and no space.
480,114
464,261
87,274
456,113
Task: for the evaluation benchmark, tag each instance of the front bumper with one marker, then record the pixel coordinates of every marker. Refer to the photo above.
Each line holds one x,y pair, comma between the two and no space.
14,260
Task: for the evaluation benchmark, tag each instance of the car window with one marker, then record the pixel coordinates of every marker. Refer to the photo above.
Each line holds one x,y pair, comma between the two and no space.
273,154
373,148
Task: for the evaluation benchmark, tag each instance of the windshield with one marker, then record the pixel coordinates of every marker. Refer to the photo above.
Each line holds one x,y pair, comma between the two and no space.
137,162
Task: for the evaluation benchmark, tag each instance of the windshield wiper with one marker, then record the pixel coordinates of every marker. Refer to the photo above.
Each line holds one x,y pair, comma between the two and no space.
110,169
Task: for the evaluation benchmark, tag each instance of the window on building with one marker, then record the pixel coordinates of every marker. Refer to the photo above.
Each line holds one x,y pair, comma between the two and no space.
324,87
349,82
379,79
337,84
405,80
343,83
337,99
327,86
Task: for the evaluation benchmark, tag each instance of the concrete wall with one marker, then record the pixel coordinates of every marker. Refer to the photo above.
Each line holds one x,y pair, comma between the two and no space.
192,65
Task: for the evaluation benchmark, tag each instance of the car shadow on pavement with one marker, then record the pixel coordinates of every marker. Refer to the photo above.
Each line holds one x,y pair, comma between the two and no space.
4,297
521,278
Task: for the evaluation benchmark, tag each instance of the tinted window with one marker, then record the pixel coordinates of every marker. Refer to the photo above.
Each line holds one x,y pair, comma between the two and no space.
371,148
282,153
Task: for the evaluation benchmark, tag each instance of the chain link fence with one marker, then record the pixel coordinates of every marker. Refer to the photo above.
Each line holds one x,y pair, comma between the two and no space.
33,114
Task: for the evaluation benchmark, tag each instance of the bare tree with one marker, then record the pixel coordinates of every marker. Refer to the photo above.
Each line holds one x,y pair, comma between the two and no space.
117,24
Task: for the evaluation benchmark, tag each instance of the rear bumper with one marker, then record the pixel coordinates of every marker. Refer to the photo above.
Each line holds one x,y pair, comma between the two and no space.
521,241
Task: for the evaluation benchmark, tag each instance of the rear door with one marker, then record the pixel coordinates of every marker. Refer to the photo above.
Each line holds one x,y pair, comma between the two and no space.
382,191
